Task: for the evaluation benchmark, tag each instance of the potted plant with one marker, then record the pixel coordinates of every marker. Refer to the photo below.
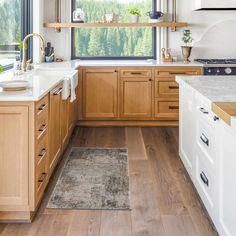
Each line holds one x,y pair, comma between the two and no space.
187,48
135,14
1,68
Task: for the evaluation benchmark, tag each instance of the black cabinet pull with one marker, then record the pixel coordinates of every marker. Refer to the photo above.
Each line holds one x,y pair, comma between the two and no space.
173,87
57,92
204,139
204,179
216,118
204,111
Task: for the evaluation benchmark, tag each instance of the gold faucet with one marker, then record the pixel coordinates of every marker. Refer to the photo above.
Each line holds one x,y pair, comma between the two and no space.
24,62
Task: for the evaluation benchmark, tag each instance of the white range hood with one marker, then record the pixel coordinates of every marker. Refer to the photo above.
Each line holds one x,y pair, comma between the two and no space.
215,5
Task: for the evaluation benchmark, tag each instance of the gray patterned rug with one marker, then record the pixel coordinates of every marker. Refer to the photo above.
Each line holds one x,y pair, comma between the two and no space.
93,178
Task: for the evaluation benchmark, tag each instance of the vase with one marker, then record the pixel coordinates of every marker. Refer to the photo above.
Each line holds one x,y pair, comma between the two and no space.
186,52
134,18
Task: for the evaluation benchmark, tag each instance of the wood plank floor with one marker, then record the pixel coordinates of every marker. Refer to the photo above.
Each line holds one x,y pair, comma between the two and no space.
163,199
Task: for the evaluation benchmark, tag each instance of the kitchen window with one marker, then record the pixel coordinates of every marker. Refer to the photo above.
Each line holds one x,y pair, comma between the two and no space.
113,42
15,18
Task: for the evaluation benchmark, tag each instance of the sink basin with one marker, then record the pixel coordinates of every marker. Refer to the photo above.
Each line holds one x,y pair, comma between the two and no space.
14,85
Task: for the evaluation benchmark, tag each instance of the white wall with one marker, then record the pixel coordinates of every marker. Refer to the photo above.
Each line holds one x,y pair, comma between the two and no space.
214,32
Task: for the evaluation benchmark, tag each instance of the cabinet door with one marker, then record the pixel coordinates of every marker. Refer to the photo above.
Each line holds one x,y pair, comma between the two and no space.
187,127
227,182
100,93
136,98
64,123
14,158
54,128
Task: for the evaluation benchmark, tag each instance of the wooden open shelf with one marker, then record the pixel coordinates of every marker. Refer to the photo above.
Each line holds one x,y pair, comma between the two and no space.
119,24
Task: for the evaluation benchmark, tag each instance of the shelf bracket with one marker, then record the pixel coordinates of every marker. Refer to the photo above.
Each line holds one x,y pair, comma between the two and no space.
58,14
174,6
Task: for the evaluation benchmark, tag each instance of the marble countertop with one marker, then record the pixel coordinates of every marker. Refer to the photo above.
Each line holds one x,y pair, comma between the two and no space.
75,64
216,89
48,75
41,82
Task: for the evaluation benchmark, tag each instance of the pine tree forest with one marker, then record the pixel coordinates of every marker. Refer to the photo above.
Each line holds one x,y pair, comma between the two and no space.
113,42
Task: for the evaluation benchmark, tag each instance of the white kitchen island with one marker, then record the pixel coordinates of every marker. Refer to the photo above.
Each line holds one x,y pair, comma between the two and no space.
208,146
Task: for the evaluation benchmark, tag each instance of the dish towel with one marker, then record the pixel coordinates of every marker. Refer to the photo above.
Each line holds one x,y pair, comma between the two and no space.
73,86
66,88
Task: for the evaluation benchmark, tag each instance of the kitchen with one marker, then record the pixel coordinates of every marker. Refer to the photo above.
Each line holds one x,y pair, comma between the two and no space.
116,131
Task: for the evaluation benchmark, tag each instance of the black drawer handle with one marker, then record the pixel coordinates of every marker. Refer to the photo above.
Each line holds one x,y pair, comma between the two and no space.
177,73
42,108
43,152
173,87
136,73
203,110
57,92
174,107
204,179
43,128
204,139
42,177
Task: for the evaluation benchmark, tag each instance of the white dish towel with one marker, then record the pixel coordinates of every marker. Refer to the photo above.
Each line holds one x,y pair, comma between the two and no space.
69,85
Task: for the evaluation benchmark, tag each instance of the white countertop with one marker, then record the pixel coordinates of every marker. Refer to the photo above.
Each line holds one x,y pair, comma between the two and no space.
214,88
75,64
41,83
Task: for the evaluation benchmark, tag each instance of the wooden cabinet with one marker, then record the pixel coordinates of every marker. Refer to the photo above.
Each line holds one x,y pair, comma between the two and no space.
14,154
136,98
100,93
41,147
55,127
64,123
167,91
130,95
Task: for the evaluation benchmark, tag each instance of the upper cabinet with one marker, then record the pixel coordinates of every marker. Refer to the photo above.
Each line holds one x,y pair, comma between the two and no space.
214,4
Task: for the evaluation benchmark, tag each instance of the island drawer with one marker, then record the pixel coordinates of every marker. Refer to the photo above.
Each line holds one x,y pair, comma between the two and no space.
41,106
40,179
41,150
166,88
137,73
166,109
41,127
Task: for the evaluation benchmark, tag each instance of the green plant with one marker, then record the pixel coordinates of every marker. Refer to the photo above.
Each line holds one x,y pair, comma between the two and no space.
134,11
187,37
18,40
1,68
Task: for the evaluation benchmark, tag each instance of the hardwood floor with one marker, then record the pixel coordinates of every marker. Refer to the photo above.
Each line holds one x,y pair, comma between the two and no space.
163,199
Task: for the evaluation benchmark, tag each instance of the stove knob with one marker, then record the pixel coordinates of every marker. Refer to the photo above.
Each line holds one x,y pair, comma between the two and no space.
228,71
209,71
218,71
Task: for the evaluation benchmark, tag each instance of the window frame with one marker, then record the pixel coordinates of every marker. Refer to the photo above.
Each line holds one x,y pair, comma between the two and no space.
26,27
154,43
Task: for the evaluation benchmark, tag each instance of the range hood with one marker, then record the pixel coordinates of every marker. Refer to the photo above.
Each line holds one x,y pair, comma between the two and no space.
208,5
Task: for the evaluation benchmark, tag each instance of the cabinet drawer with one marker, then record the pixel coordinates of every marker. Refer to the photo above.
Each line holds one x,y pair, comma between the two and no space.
206,184
40,179
206,141
41,106
165,88
181,71
166,109
41,127
137,73
41,150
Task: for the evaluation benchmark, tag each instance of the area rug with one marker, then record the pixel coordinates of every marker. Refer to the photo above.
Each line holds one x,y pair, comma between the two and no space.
93,178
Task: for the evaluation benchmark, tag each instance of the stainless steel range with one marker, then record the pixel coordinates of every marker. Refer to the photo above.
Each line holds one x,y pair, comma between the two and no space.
218,66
